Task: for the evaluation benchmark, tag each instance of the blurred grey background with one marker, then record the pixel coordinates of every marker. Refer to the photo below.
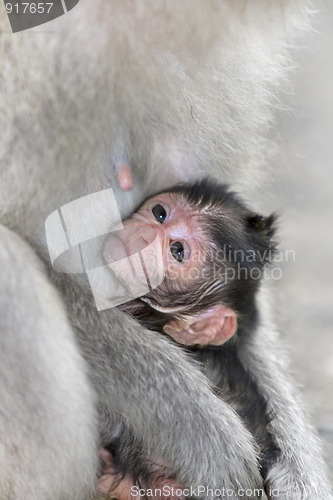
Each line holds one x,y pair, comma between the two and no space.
304,198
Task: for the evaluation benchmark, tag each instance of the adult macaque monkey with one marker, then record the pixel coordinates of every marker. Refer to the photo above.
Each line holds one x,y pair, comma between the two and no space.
174,90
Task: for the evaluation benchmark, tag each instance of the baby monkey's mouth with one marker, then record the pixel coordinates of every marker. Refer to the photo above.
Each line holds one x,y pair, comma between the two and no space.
135,261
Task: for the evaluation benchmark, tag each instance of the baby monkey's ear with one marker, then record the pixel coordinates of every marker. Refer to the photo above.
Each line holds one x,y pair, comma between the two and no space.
213,326
263,226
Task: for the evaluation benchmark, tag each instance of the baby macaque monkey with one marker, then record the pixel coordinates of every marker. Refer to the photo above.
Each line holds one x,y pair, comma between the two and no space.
213,253
214,250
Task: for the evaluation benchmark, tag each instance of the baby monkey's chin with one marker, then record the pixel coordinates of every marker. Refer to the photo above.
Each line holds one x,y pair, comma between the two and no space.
114,249
136,272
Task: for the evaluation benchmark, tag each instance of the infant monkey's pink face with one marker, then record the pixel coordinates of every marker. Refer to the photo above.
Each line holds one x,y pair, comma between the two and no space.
177,227
171,229
162,242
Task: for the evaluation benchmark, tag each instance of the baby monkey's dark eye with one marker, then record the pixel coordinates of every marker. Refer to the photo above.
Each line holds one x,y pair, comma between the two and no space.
159,213
177,251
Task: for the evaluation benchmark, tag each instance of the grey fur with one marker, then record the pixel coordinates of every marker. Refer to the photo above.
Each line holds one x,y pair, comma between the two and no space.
184,88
